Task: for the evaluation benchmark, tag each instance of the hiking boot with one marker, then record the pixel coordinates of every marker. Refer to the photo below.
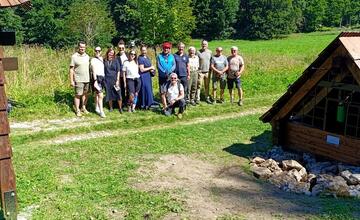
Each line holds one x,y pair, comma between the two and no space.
192,103
240,103
120,110
208,101
84,111
102,114
111,109
197,102
97,110
179,116
221,101
167,113
78,113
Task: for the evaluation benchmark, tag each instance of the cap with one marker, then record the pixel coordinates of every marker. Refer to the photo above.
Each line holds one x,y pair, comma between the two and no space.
166,45
97,48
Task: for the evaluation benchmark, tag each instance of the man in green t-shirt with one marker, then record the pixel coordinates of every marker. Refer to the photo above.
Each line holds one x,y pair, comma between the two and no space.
80,78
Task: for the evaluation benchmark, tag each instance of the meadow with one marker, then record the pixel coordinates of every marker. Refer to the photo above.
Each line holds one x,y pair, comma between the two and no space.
113,168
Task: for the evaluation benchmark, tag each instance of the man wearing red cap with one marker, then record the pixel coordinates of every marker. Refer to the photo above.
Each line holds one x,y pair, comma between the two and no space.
166,65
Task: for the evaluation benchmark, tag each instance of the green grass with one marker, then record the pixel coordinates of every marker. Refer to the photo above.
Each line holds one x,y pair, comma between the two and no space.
42,84
89,179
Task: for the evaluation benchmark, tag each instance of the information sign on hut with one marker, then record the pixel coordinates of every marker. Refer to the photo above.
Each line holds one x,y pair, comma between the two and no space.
320,112
7,174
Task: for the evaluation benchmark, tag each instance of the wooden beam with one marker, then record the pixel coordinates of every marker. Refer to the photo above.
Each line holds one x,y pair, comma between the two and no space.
4,124
1,52
354,69
322,94
10,63
309,84
7,38
3,99
2,75
5,147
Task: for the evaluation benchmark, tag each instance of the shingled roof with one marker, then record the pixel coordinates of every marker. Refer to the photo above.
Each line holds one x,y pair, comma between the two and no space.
13,3
350,41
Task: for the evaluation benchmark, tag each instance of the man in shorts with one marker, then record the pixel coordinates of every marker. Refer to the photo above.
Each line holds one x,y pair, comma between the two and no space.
80,78
219,65
204,55
236,67
166,65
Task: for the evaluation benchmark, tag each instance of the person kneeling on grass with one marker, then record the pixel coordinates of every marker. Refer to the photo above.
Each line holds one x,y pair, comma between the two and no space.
175,96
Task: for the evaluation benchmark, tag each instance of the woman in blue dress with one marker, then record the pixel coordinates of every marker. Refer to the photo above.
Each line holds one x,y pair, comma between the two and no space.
112,79
146,71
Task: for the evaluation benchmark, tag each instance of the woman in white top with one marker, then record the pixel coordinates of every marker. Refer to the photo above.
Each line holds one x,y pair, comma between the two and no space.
133,82
97,69
194,73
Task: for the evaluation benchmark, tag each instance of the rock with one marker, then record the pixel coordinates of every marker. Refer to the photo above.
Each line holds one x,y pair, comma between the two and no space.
350,179
317,168
311,178
281,180
352,169
308,158
271,165
329,185
333,169
291,164
301,188
354,191
295,174
261,172
288,183
258,160
355,177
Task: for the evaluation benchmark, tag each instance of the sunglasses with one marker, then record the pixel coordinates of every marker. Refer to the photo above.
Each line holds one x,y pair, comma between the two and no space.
133,54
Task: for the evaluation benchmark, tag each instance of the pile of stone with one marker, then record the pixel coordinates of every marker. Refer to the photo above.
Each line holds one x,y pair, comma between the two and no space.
302,173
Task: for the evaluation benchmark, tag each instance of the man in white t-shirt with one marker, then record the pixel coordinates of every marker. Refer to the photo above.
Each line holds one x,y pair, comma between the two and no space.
175,96
97,69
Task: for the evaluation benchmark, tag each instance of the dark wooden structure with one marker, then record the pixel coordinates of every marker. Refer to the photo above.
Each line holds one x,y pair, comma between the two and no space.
320,112
7,174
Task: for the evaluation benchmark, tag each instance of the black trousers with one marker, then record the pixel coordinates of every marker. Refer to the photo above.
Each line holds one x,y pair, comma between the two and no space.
180,104
184,82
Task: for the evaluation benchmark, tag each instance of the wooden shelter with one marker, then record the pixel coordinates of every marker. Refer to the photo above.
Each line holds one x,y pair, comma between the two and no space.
320,112
7,174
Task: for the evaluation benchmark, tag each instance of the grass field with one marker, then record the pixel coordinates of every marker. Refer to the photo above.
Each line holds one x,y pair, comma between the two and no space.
105,169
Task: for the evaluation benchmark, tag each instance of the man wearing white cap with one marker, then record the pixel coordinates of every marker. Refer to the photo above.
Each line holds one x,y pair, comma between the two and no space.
97,69
236,67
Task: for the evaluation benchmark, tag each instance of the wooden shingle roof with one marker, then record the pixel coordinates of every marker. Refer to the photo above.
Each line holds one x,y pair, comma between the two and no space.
13,3
351,42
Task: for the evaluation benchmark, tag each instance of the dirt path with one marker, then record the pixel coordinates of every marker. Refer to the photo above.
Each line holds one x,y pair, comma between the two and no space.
211,191
100,134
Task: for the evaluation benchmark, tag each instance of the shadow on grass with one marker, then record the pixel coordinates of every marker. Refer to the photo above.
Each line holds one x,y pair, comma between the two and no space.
258,143
67,98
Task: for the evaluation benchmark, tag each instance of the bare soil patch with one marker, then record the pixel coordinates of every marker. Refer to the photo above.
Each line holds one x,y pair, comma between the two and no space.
212,191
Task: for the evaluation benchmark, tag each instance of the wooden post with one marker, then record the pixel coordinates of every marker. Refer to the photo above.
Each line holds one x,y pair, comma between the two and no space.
7,174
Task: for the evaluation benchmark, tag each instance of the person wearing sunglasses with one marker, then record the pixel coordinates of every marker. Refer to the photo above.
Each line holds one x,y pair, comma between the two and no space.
166,65
98,70
122,57
133,82
175,95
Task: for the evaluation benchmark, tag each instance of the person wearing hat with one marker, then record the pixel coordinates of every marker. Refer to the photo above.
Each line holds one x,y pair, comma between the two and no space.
97,69
80,78
236,67
166,65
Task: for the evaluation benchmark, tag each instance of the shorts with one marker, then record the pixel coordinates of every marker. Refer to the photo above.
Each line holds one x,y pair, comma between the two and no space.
222,81
230,83
101,84
162,85
81,88
133,85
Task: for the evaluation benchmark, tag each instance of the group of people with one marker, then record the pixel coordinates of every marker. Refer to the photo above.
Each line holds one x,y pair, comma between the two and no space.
124,76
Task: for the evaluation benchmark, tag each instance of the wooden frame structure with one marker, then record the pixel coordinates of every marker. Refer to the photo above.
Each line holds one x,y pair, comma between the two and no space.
320,112
7,174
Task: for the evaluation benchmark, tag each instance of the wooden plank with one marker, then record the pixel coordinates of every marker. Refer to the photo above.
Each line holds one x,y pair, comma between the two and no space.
2,75
7,178
3,99
10,63
7,38
354,69
5,147
308,85
4,124
1,52
352,44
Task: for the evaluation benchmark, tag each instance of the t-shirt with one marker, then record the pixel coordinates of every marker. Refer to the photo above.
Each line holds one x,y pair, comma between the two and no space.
181,64
81,63
204,59
219,62
234,65
122,58
97,66
194,63
131,70
173,91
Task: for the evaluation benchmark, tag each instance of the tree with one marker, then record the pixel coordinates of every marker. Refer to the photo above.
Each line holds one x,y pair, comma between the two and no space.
268,19
90,21
162,20
215,18
314,14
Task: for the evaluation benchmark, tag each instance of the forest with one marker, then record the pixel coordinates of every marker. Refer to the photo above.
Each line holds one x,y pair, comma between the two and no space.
61,23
